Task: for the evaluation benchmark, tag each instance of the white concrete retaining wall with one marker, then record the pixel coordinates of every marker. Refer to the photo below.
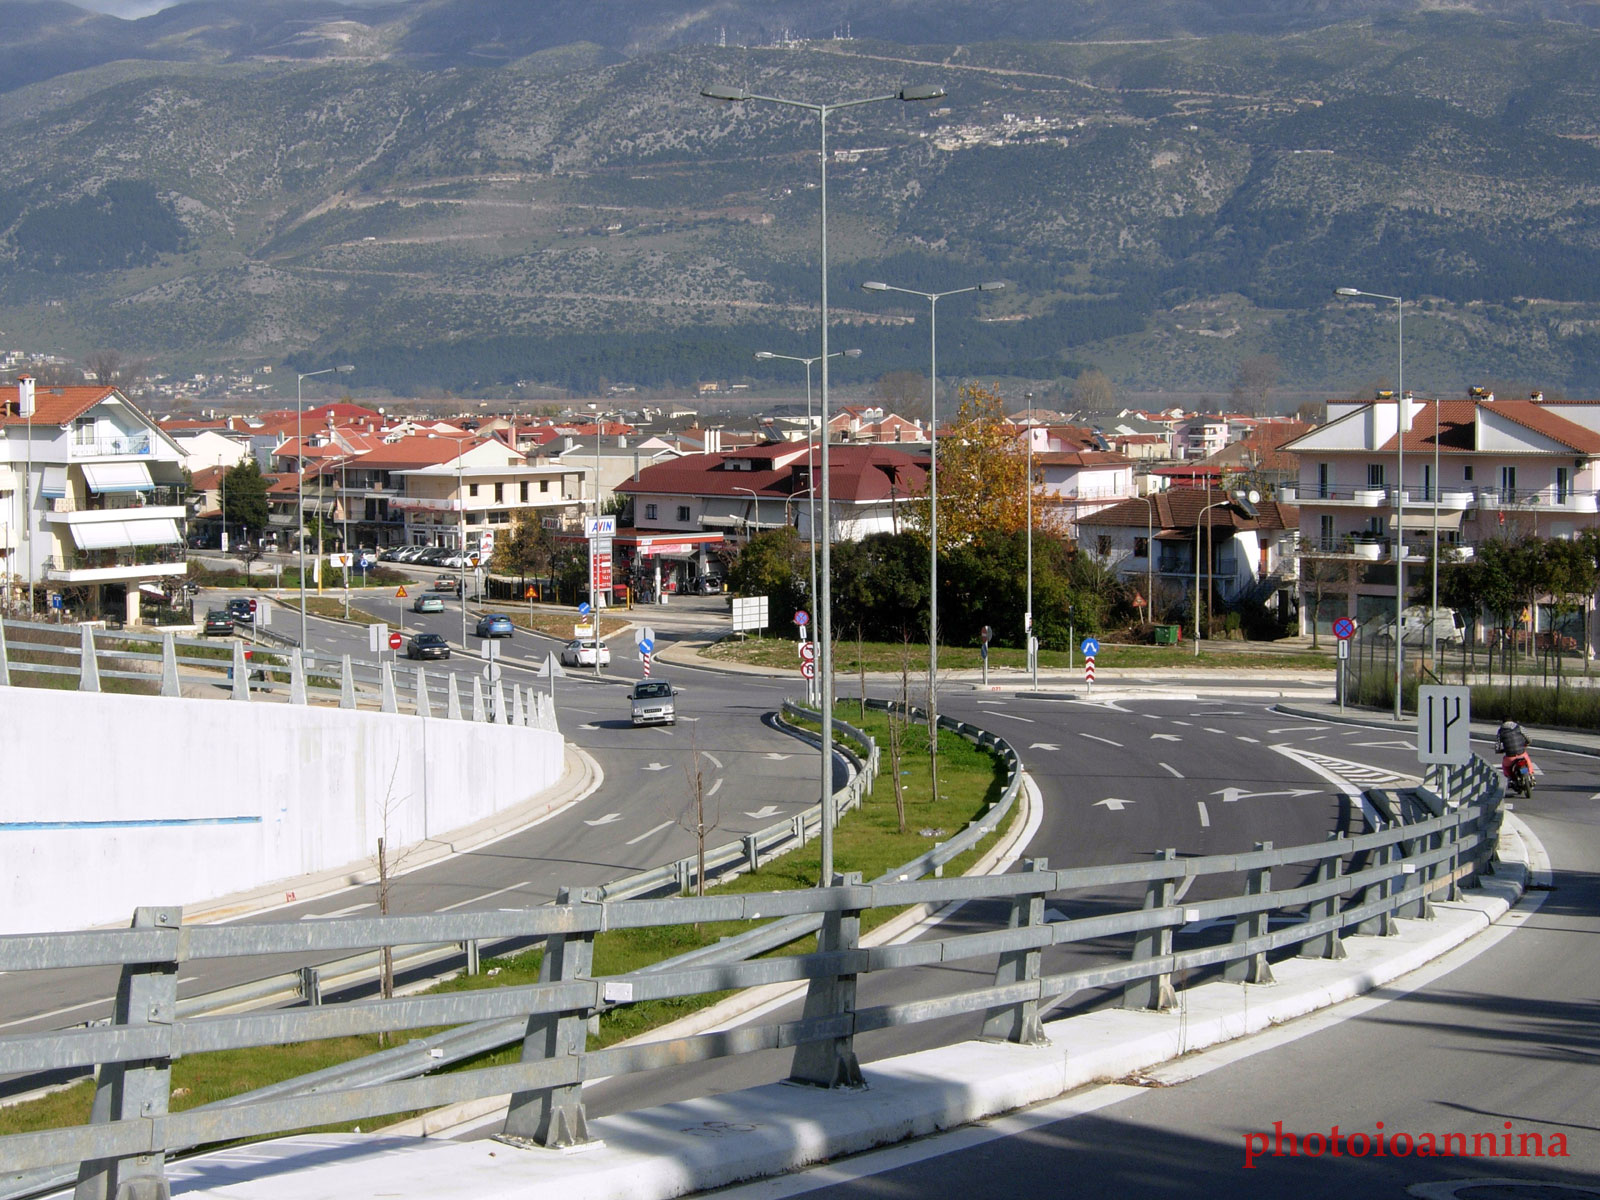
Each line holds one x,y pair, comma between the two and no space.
113,801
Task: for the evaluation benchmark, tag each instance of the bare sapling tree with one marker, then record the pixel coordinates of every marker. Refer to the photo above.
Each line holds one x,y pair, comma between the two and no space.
897,725
388,866
694,818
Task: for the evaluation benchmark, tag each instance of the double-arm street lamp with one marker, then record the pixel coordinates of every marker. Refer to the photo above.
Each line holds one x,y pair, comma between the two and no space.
811,497
933,299
300,489
1402,415
824,596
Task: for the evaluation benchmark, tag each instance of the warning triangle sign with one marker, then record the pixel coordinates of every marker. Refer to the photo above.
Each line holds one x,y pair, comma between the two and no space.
400,594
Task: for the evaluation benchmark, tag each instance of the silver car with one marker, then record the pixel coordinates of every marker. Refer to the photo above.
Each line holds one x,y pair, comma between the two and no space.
654,703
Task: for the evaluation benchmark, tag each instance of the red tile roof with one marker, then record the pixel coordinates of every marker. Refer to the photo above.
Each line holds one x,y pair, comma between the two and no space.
52,405
859,474
1180,509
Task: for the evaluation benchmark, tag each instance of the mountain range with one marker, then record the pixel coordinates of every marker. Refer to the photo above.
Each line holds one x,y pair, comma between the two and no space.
484,195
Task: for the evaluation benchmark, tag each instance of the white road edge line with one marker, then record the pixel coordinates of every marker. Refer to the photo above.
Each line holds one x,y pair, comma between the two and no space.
1205,817
1177,774
649,833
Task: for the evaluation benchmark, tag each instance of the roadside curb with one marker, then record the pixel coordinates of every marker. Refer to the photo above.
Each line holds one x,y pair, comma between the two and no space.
1368,719
580,777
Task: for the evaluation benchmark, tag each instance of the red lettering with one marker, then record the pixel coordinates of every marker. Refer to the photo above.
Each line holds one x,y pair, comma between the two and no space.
1250,1152
1278,1137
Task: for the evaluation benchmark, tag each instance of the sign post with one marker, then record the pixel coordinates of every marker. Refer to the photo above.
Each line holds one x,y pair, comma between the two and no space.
1444,732
1090,648
645,638
983,652
1343,629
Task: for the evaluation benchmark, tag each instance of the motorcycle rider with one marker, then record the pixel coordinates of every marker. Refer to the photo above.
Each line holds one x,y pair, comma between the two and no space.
1512,743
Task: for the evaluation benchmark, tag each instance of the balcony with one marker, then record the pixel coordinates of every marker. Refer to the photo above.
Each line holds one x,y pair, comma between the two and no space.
1336,497
117,566
111,447
1550,499
66,513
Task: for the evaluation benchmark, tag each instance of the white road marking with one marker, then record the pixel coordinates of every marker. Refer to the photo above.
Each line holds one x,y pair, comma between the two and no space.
649,833
605,820
655,766
1209,729
1165,737
481,899
1176,722
1205,817
338,912
1044,746
1014,717
1242,738
762,813
713,758
54,1012
1176,773
1295,728
1112,803
715,788
1096,738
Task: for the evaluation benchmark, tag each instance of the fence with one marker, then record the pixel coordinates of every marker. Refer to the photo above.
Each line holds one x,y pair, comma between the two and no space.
256,672
1359,885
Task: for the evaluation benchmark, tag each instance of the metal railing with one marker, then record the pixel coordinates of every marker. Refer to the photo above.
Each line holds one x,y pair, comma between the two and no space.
1355,885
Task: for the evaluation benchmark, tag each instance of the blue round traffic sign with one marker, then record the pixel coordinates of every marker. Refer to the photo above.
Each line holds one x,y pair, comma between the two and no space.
1090,647
646,646
584,610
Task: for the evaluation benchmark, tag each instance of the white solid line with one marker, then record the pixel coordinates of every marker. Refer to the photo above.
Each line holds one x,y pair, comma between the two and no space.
714,788
648,833
1096,738
1208,729
1242,738
54,1012
479,899
1205,817
1174,770
1014,717
338,912
1295,728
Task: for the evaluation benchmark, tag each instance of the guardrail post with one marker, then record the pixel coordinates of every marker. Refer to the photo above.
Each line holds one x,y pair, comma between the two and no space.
311,986
169,666
1383,924
452,694
470,947
347,684
1325,945
1253,968
147,994
297,677
800,831
88,666
554,1117
831,1062
1020,1022
388,701
1156,991
240,672
1419,909
752,860
1452,865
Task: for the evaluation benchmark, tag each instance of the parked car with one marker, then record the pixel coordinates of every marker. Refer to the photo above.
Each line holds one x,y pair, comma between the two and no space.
581,653
654,702
238,607
1447,626
427,645
390,553
426,604
218,621
494,625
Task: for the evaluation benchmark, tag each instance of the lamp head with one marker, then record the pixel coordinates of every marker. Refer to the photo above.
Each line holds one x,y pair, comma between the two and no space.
872,285
852,353
992,286
1341,291
732,95
345,368
764,354
923,92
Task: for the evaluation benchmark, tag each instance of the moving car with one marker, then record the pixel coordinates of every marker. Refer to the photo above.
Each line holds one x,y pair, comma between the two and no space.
494,625
238,608
654,703
581,653
218,621
427,645
426,603
446,583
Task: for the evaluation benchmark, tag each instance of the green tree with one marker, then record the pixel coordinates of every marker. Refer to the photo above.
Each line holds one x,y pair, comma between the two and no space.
880,586
774,564
528,551
246,492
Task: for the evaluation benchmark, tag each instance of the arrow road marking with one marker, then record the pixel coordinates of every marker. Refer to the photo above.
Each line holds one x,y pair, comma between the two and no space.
1044,746
1175,772
1096,738
1112,803
648,833
1166,737
1205,817
714,789
1401,745
713,758
605,820
762,813
655,766
1229,795
774,756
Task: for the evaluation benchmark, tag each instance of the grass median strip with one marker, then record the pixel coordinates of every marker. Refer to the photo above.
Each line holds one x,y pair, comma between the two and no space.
870,840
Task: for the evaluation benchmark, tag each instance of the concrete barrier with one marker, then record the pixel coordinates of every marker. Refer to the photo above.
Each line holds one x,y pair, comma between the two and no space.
113,801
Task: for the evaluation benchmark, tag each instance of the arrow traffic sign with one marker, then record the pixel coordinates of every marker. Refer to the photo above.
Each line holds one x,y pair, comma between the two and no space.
1112,803
1090,646
584,609
1229,795
605,820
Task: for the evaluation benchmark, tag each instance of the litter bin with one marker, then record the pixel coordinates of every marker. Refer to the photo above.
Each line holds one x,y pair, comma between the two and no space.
1168,635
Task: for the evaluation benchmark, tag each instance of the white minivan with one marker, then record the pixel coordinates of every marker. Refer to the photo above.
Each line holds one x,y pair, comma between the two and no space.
1447,626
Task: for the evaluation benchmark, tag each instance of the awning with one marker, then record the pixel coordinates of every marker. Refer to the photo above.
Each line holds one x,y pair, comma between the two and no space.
117,535
117,477
55,483
1422,519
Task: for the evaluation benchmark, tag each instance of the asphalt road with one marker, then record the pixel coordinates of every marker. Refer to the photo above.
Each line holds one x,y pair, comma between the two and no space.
1502,1032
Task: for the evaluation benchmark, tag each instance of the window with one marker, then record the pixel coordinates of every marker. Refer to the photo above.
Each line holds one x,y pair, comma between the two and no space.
1508,483
83,431
1427,481
472,489
524,491
499,493
1325,537
1466,473
683,512
1322,481
544,486
1374,475
1563,485
649,512
499,517
1141,547
1102,545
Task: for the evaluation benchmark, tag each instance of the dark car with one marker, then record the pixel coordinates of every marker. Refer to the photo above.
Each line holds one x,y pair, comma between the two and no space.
494,625
218,621
427,645
239,609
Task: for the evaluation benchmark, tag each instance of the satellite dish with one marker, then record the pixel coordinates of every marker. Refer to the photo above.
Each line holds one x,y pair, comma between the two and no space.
1254,497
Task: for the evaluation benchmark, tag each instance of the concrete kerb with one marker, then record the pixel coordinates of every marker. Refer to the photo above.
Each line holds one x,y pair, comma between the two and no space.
695,1145
1567,740
580,777
998,859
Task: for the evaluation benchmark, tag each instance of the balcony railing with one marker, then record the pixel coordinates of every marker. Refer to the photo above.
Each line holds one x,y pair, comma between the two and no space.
101,447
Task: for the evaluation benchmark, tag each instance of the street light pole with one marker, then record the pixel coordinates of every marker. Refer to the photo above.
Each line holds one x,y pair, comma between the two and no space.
1402,417
933,299
300,482
811,496
824,597
1204,512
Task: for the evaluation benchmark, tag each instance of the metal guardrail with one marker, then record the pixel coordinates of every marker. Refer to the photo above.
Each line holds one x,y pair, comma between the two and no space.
1357,885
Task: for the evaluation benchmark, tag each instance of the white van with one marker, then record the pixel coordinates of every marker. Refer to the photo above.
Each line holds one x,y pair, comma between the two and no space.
1447,626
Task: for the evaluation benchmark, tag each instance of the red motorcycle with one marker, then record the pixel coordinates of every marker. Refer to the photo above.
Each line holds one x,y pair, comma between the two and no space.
1518,770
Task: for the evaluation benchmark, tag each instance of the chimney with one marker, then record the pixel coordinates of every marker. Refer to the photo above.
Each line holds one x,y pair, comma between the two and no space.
25,404
622,442
1536,397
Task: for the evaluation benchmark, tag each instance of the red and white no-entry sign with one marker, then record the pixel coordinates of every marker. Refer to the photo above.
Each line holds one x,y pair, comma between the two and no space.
394,641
